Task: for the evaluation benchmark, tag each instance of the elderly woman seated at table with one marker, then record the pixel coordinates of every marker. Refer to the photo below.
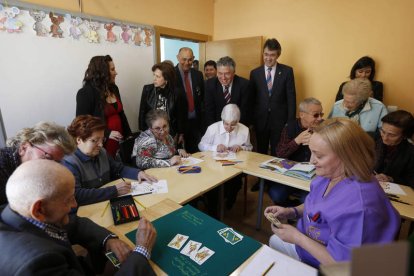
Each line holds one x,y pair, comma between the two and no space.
222,136
155,148
93,167
346,206
359,107
395,155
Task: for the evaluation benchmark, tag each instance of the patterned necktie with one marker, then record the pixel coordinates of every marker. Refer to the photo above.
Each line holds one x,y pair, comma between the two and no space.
226,93
189,92
269,80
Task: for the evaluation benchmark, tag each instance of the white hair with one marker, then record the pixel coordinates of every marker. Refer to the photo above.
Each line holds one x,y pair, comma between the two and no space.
34,180
231,113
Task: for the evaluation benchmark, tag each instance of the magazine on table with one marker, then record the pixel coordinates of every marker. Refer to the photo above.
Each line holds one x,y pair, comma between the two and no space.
302,170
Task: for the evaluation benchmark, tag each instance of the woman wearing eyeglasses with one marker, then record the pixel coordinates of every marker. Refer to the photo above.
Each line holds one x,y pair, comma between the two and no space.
155,148
394,154
93,167
358,106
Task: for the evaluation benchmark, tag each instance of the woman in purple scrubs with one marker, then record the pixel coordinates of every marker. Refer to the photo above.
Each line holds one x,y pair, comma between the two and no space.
346,206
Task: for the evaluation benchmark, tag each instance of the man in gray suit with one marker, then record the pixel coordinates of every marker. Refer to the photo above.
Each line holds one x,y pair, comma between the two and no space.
37,232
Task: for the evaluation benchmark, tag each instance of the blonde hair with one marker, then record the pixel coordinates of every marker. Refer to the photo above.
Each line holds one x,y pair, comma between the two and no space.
42,133
361,88
351,144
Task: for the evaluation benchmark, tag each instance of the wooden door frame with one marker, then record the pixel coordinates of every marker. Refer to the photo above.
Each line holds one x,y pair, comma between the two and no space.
174,33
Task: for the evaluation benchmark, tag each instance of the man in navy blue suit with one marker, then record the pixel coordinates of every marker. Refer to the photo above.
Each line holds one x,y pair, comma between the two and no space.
226,88
273,97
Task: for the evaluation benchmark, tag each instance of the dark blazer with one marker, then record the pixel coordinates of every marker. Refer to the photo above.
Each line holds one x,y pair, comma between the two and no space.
280,107
401,165
198,93
175,106
30,251
214,99
88,103
377,91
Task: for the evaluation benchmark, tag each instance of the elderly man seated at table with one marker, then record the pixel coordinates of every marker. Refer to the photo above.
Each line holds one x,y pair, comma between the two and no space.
155,148
45,140
93,167
294,145
359,107
36,230
226,135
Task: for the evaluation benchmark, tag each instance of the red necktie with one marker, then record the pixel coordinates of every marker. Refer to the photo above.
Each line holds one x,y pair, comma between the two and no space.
189,92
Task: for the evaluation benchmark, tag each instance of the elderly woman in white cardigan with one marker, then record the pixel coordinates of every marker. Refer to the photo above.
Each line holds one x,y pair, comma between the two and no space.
226,135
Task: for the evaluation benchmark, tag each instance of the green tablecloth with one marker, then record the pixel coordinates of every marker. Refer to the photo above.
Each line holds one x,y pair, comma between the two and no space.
201,228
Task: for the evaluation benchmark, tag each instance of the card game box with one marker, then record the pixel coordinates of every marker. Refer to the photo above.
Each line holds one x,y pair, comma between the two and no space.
124,209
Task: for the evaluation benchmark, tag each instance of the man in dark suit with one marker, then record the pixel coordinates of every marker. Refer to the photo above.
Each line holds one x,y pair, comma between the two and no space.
226,88
37,233
273,97
191,83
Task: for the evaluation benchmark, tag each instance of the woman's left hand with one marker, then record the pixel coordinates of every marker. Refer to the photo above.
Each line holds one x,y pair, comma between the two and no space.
235,148
143,176
183,153
287,233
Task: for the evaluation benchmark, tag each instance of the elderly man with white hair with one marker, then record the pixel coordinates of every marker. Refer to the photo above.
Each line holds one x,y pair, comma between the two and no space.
36,230
226,135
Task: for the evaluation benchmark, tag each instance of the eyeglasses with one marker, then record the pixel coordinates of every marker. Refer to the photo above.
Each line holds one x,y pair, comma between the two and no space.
316,115
46,155
161,129
97,141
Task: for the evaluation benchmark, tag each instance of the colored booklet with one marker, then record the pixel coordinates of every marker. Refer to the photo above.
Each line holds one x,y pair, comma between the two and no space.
291,168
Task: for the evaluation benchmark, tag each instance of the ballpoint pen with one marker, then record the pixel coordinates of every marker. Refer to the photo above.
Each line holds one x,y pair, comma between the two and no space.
268,269
106,207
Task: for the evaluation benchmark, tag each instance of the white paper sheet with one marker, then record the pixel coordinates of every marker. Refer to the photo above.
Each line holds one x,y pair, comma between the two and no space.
190,161
284,265
392,188
228,155
144,187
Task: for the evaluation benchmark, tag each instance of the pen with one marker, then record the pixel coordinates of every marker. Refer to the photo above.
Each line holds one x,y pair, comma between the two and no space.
268,269
106,207
140,204
399,201
122,179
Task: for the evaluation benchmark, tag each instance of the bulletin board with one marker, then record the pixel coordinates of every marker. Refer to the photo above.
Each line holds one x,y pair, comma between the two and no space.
41,71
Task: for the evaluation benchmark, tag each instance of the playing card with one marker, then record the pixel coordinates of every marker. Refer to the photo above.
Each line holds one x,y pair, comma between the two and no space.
222,230
112,257
230,236
191,248
273,219
203,255
178,241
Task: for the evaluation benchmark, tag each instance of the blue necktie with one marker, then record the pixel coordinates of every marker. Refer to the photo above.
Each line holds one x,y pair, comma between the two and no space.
269,80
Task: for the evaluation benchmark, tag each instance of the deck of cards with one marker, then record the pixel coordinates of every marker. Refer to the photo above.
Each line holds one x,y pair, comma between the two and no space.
191,249
230,236
273,219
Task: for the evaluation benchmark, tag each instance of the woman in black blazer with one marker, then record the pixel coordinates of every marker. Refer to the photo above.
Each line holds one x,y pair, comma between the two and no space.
394,154
164,95
364,68
100,97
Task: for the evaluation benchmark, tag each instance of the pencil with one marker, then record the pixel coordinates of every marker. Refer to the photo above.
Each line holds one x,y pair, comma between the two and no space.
184,170
122,179
268,269
106,207
140,204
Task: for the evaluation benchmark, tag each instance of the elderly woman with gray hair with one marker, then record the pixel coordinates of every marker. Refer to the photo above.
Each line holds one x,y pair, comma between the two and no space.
359,107
226,135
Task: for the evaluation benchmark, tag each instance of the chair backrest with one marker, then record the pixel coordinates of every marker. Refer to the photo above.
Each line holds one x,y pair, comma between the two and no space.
125,149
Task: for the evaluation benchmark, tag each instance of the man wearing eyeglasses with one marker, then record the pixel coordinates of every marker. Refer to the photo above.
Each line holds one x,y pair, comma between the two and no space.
45,140
293,145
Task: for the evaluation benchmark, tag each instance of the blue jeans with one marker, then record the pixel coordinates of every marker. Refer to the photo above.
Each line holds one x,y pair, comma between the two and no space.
280,193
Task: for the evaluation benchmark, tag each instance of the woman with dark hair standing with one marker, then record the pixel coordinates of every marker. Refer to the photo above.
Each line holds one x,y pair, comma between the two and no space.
394,154
100,97
163,94
364,68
